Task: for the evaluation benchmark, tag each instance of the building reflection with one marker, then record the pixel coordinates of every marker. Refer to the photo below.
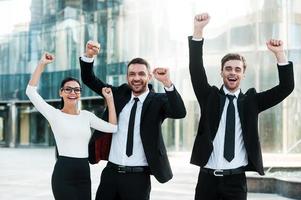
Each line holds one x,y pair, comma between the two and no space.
156,30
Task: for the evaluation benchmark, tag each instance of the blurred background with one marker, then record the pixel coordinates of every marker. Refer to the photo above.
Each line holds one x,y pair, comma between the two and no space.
156,30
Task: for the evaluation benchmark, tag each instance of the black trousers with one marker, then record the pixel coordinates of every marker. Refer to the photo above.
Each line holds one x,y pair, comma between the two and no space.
71,179
227,187
123,186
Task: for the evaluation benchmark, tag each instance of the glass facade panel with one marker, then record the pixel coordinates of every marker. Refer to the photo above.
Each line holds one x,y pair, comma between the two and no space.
1,130
24,137
156,30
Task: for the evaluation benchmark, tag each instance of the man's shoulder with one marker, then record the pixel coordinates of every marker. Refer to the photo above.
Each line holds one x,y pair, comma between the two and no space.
122,89
251,91
249,94
124,86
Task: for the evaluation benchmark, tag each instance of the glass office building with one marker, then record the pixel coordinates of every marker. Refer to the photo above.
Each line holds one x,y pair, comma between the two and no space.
156,30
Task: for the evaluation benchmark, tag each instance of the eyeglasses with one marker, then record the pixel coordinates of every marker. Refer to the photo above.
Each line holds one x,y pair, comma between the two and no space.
68,90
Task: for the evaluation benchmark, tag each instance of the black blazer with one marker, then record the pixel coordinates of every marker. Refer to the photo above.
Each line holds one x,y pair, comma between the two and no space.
211,101
156,108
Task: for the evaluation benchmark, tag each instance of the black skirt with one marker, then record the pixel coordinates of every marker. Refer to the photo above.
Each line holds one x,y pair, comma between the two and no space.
71,179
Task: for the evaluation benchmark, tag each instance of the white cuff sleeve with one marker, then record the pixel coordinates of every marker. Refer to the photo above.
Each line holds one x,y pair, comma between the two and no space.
86,59
197,39
282,64
171,88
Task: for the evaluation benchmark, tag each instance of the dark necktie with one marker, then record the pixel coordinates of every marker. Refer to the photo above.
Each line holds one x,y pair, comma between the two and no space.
130,138
230,130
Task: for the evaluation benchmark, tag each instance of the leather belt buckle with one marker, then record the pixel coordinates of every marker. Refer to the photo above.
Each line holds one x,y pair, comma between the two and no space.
121,170
128,169
218,172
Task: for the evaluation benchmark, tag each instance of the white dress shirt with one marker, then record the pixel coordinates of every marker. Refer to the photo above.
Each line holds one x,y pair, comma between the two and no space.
86,59
118,146
217,160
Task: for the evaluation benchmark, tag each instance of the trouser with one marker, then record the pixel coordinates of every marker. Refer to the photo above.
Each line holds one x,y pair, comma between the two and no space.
124,184
226,187
71,179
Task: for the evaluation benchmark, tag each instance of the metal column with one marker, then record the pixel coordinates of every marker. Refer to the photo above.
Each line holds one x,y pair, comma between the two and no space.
12,124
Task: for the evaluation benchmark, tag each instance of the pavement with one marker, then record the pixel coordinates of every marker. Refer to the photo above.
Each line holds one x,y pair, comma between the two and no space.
25,174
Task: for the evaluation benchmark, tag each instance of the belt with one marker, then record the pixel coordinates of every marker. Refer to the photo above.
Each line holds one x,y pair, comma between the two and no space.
223,172
128,169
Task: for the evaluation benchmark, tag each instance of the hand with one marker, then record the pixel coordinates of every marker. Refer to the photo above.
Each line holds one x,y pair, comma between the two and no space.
276,47
107,93
92,48
200,21
162,75
47,58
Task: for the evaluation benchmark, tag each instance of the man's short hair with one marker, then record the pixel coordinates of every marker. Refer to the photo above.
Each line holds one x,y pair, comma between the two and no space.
233,56
139,61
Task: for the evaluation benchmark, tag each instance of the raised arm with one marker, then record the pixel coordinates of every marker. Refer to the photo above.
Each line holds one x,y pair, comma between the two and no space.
86,65
175,107
200,21
278,93
196,66
108,95
45,60
98,123
162,75
276,47
31,90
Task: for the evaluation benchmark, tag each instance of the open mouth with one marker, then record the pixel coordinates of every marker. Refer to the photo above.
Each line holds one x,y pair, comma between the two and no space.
72,98
232,79
136,84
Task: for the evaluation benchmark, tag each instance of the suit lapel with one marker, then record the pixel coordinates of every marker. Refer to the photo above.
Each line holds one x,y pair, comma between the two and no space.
222,100
147,100
240,107
122,101
146,103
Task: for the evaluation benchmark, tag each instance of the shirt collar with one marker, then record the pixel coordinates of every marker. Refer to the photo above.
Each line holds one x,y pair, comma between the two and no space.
226,91
141,97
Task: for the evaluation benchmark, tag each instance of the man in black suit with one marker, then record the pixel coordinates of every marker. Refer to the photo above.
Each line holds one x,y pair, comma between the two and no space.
227,141
137,149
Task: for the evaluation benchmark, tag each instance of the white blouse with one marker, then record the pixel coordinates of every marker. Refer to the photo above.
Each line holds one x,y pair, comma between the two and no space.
72,132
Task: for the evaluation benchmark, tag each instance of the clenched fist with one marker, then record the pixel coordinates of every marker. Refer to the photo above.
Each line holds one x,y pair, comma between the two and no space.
200,21
276,46
107,93
47,58
162,75
92,48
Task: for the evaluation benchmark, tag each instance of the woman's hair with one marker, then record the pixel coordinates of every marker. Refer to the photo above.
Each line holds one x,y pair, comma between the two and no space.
63,84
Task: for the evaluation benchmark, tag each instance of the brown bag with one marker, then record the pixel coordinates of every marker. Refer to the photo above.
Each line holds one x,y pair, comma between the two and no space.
99,147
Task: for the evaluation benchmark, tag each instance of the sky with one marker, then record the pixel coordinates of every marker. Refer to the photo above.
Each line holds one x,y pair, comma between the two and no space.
13,12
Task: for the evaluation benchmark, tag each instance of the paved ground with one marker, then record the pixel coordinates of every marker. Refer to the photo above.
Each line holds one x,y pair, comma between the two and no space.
25,175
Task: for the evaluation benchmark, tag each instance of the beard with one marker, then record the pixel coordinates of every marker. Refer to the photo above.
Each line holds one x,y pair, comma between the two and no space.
138,87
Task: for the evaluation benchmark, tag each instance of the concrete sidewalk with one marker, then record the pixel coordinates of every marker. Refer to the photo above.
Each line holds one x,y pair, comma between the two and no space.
25,174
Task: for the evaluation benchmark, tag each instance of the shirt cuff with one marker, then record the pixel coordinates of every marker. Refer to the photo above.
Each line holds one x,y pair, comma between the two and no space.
197,39
34,87
86,59
282,64
171,88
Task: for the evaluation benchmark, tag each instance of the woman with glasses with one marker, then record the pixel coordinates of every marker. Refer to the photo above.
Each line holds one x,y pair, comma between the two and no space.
71,129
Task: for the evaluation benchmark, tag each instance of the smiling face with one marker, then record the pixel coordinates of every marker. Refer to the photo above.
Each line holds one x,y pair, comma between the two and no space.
232,73
70,93
138,77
